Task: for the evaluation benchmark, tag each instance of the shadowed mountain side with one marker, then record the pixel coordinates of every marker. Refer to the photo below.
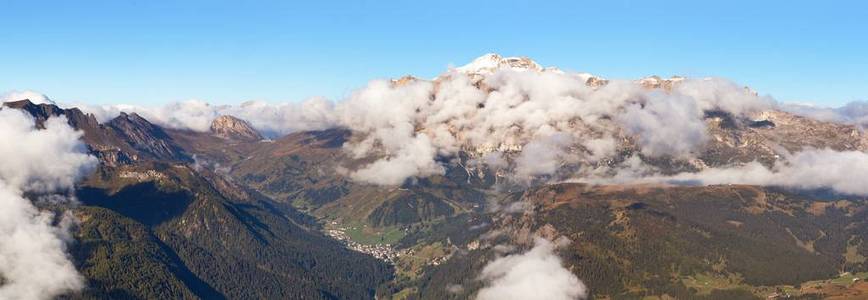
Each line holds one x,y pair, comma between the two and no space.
115,245
143,202
230,239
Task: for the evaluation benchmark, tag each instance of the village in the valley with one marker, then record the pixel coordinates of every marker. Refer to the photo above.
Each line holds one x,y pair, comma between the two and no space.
381,251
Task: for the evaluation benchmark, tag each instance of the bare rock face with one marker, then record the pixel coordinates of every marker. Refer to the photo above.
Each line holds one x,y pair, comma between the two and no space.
145,137
230,127
122,140
655,82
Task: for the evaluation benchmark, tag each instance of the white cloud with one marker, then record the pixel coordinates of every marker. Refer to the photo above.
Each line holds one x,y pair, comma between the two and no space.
33,96
600,148
841,171
40,160
666,124
855,113
33,261
415,159
542,156
536,274
844,172
515,115
725,95
278,119
271,120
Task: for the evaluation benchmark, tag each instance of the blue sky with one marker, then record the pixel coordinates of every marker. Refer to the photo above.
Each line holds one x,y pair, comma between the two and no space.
152,52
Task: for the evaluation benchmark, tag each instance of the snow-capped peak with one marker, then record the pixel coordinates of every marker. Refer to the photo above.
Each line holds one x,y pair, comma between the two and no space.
491,62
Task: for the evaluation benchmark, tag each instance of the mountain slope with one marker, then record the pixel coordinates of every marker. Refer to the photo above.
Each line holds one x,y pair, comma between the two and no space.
191,233
640,241
225,241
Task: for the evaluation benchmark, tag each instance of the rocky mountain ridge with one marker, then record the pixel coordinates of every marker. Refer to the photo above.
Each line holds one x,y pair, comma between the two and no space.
154,222
230,127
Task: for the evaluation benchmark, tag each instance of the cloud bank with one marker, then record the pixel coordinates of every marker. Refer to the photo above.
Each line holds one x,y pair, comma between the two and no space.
535,274
530,123
534,121
855,113
272,120
841,171
33,262
538,121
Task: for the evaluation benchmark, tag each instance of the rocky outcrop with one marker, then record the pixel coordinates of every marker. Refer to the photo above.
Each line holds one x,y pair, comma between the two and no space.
146,138
41,112
233,128
123,140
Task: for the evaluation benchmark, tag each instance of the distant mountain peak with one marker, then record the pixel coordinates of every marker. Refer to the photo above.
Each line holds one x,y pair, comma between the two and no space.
42,111
491,62
654,82
230,127
134,117
145,137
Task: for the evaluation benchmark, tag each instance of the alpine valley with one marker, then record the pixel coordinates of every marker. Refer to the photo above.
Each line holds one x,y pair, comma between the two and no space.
491,178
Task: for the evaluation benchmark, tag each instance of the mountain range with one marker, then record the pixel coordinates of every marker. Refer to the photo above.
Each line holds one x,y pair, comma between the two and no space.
470,184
